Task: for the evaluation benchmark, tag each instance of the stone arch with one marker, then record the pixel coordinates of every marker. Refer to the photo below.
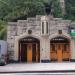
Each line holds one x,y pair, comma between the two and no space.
60,47
62,35
28,35
17,38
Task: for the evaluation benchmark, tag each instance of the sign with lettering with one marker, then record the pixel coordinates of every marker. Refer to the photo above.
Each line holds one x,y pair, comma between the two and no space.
72,32
29,39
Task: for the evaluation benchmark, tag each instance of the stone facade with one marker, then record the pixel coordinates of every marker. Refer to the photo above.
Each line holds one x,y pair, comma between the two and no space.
19,29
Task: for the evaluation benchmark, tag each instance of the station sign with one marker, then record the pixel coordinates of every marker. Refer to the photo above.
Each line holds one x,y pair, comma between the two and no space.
72,32
29,39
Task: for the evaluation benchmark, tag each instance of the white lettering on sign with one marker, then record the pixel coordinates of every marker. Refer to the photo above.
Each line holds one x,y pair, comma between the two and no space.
58,39
27,39
73,30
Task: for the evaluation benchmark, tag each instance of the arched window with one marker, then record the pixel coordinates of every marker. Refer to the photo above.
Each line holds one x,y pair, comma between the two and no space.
42,27
47,27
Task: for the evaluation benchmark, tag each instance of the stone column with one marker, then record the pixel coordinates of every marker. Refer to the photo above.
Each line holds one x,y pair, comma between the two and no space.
16,50
45,49
73,50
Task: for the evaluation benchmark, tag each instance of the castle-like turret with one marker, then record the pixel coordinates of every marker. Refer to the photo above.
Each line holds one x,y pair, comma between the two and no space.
62,4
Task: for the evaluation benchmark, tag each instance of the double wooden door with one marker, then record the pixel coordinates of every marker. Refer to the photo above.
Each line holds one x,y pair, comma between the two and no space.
59,52
29,52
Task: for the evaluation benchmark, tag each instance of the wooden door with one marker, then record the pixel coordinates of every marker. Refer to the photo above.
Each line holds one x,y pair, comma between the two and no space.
23,53
29,52
37,53
66,52
53,52
59,52
34,52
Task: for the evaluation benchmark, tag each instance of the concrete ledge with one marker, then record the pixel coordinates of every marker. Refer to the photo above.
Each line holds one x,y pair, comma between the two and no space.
45,61
29,72
72,60
13,61
38,67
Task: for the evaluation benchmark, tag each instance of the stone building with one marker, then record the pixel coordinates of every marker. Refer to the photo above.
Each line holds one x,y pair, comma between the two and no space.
40,39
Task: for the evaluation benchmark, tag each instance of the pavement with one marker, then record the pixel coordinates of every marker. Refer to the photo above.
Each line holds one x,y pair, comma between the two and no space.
38,67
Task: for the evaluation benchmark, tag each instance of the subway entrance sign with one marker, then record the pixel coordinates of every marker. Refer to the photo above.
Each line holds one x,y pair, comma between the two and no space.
72,32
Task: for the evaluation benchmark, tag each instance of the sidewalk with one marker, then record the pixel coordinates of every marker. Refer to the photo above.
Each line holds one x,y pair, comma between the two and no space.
24,67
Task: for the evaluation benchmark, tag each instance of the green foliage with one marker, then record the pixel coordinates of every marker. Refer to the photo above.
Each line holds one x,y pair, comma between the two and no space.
57,8
12,10
70,9
3,28
18,8
15,9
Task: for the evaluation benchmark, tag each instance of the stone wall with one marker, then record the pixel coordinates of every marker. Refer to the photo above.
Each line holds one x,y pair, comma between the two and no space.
16,29
11,33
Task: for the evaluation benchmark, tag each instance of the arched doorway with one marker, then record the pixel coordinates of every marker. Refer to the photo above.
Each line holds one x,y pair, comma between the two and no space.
29,50
60,49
